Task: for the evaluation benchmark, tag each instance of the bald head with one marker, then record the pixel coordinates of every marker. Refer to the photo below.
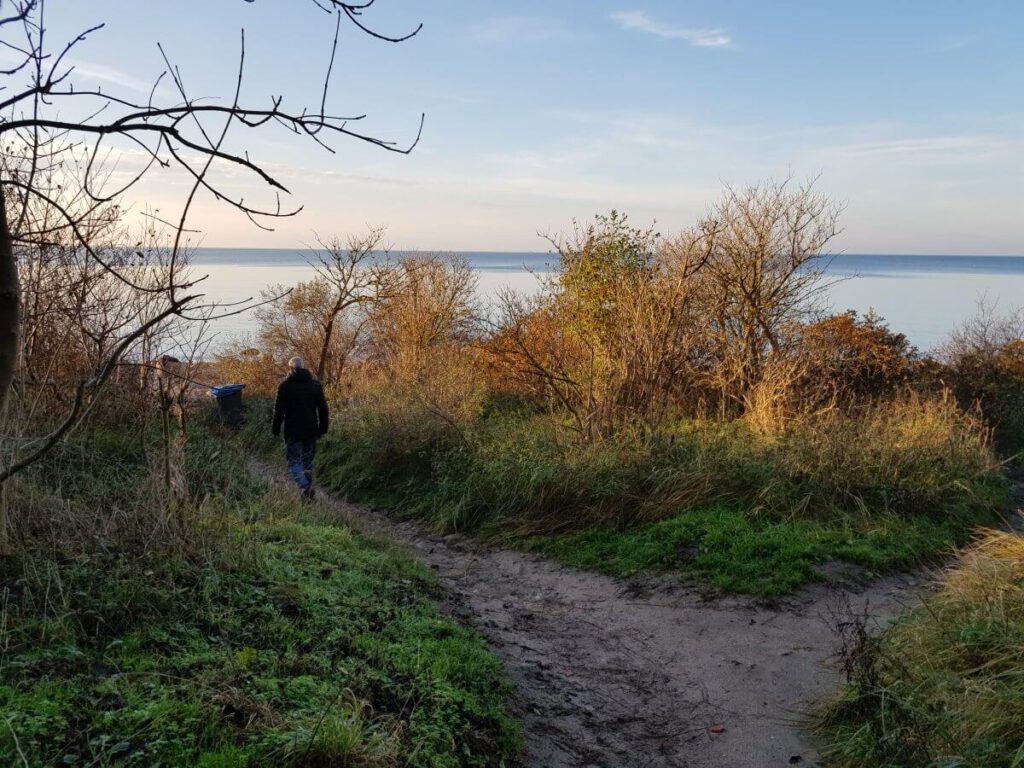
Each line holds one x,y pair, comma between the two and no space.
296,363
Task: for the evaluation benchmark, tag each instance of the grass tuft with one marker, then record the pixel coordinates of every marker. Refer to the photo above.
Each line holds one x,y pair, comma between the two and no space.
945,685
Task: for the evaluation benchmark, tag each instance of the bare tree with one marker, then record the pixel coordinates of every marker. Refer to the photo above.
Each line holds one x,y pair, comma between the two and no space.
346,268
172,128
983,362
429,304
323,320
423,334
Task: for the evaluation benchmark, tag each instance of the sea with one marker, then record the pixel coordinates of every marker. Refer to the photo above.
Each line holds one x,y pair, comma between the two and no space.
924,297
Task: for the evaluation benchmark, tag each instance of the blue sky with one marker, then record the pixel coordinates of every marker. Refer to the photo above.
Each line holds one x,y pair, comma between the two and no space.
539,112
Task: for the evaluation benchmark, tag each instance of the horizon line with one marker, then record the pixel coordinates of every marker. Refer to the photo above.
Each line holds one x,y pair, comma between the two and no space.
484,251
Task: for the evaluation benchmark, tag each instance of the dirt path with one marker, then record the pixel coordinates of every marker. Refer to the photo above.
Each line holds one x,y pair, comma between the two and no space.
614,673
646,673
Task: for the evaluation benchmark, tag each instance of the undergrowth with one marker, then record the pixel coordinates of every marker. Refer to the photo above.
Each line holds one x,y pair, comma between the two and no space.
268,640
750,512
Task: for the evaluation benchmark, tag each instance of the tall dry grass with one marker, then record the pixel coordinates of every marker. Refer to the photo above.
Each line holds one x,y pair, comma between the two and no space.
524,471
910,455
944,686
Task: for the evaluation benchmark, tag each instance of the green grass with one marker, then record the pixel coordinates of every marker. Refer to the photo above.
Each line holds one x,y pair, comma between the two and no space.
746,512
739,553
275,640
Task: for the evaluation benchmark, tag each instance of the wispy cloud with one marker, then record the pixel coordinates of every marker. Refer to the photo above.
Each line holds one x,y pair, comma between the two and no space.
651,130
89,70
950,148
103,74
916,146
640,21
953,44
505,29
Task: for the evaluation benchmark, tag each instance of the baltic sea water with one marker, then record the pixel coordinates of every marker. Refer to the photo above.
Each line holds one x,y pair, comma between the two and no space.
922,296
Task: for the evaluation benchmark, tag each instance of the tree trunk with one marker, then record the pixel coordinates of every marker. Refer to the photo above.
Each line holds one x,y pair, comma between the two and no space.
10,311
325,352
10,306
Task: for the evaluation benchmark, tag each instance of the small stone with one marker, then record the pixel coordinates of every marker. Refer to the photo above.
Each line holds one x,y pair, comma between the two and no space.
717,729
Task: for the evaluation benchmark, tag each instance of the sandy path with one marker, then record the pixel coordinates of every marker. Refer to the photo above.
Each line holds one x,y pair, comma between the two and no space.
614,673
618,674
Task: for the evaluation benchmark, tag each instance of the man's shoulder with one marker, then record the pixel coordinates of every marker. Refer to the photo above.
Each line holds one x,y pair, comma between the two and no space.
306,385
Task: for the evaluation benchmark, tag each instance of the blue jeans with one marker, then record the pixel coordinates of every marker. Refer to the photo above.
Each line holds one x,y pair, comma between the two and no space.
299,455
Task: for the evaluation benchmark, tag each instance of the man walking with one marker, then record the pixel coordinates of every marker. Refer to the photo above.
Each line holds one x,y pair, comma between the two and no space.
302,407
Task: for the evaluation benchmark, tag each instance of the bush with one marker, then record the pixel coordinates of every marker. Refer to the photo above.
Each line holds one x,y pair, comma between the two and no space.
847,360
984,361
994,380
944,686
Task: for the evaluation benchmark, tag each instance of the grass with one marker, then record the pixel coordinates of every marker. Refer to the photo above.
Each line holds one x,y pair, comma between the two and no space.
945,685
759,556
275,640
747,512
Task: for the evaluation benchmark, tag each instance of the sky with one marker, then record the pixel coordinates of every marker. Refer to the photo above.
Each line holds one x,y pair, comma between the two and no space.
541,112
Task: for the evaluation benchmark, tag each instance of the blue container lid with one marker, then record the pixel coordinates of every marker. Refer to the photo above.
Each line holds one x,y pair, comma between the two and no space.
226,389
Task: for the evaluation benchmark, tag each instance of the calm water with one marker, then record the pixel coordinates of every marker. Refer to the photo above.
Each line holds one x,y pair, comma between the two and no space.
921,296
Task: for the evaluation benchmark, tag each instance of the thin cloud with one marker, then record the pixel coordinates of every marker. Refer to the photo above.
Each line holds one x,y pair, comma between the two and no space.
953,44
88,70
519,29
104,74
938,146
639,21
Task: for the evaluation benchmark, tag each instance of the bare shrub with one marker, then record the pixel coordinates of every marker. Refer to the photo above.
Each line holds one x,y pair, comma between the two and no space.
987,332
762,278
984,361
423,340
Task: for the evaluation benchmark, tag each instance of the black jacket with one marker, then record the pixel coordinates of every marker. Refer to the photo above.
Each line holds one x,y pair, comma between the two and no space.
301,406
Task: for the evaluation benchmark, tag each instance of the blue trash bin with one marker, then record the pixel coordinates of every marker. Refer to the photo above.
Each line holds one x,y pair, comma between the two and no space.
229,402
